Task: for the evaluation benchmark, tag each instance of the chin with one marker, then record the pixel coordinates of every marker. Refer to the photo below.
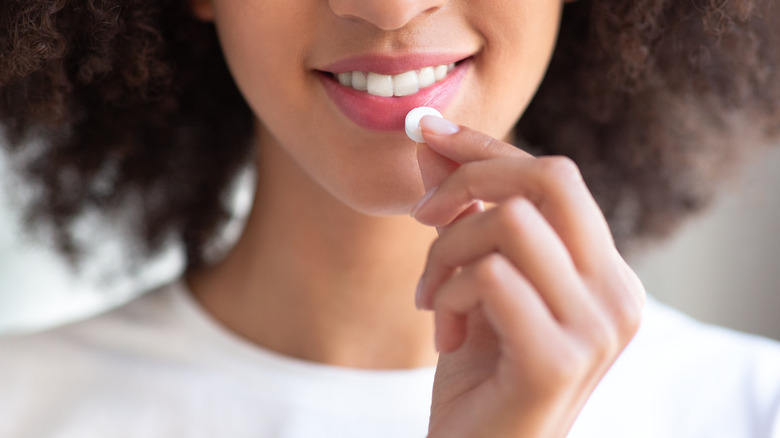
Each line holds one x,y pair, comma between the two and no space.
384,207
384,201
387,210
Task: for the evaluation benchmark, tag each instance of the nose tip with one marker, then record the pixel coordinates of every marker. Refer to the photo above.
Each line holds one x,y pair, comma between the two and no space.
384,14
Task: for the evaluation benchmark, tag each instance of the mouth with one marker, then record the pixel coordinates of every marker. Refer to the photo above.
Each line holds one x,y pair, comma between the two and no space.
403,84
376,92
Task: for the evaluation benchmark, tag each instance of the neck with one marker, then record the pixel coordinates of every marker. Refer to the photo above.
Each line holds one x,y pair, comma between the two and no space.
313,279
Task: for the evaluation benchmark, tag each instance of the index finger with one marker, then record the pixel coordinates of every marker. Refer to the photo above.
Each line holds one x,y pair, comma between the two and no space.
494,171
471,145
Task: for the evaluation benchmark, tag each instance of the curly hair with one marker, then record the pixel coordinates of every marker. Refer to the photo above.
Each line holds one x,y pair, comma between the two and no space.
654,99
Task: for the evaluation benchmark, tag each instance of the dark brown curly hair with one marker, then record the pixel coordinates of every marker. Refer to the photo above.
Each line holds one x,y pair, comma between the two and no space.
129,101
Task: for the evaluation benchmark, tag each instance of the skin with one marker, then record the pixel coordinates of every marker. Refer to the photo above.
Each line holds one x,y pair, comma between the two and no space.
530,301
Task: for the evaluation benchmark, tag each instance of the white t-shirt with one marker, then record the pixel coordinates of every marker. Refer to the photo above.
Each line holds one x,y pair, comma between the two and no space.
161,367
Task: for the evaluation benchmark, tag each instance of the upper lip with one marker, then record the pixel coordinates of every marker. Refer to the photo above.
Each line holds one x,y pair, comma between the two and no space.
393,64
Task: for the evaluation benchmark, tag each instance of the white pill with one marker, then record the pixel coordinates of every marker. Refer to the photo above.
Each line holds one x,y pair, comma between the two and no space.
413,122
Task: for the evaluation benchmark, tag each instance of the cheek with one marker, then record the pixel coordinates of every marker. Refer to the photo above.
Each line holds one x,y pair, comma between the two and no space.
263,45
519,40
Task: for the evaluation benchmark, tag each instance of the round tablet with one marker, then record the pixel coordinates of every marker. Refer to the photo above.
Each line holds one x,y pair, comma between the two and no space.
413,122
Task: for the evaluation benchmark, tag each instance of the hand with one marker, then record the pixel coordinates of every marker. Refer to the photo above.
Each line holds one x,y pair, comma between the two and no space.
532,301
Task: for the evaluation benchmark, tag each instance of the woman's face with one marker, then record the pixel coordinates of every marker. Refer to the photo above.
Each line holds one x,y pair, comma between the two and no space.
287,55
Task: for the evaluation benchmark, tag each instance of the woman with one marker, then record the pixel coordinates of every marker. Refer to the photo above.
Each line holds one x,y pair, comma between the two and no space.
307,327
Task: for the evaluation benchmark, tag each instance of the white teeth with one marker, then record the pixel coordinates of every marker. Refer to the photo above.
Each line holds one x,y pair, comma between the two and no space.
440,71
345,78
380,85
403,84
426,77
359,81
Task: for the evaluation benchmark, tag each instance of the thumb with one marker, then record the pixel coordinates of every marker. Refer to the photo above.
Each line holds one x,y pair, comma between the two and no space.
434,167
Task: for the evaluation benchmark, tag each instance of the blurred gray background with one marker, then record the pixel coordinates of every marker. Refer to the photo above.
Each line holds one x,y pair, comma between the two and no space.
724,267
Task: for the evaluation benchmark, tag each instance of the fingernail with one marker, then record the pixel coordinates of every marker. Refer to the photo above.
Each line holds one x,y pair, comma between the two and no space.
426,197
438,126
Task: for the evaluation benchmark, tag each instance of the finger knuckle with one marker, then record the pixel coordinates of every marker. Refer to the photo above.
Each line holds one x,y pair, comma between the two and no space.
489,145
603,340
628,315
514,214
626,304
487,274
464,177
565,367
561,169
489,269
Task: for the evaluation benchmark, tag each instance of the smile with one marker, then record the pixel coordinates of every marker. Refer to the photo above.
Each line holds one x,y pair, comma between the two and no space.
404,84
376,92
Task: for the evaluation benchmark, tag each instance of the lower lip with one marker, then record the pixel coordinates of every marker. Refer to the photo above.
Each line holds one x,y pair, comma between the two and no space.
388,113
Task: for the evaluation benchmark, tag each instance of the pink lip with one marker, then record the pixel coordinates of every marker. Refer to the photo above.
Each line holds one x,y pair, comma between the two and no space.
388,113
